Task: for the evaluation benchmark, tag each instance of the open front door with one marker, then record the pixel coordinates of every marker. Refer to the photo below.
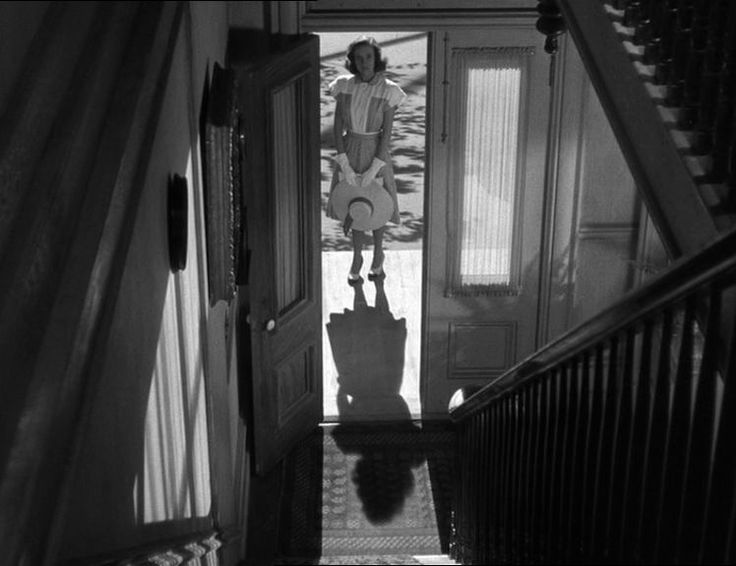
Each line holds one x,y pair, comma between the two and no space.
278,98
486,197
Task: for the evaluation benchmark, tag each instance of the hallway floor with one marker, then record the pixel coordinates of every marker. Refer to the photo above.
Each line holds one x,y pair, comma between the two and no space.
371,338
378,494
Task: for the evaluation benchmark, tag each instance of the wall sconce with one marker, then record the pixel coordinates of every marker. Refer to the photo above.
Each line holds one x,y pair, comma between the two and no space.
178,222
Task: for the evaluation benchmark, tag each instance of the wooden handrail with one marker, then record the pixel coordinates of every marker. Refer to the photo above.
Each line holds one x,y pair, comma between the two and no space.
682,219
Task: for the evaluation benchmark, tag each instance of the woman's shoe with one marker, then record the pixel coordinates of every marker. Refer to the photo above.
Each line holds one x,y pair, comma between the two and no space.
376,273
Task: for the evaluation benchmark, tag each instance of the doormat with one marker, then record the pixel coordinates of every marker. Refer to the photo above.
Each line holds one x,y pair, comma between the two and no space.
353,490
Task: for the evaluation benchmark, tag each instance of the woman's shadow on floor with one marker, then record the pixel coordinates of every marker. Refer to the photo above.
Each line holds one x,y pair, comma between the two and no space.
368,346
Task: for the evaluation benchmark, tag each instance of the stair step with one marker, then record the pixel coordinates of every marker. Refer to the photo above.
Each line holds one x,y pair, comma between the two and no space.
428,560
670,115
614,13
647,72
714,195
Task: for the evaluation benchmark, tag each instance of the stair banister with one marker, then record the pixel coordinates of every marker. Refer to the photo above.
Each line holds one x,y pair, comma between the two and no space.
614,443
672,198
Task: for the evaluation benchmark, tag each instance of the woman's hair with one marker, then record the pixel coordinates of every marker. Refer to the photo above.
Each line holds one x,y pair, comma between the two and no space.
380,64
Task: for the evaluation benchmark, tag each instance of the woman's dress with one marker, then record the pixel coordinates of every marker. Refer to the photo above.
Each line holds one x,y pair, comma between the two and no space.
363,104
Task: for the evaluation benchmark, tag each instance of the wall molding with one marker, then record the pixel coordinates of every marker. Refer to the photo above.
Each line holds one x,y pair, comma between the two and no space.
607,230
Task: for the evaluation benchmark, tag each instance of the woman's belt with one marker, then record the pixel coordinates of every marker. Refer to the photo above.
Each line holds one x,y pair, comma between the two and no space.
363,135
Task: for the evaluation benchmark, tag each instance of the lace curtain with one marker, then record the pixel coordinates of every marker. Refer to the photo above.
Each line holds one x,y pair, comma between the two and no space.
488,106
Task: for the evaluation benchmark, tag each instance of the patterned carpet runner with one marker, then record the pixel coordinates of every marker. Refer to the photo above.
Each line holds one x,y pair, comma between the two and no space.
353,492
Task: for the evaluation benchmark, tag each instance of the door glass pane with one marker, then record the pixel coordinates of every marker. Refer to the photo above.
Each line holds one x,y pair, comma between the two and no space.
287,187
488,87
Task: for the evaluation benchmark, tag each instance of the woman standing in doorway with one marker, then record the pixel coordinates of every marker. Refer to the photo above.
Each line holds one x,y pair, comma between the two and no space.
364,114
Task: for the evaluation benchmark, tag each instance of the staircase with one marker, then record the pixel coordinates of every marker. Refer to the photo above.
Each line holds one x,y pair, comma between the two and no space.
615,443
685,53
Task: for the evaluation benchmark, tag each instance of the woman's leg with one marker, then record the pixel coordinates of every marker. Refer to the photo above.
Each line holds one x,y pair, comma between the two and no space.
357,257
378,255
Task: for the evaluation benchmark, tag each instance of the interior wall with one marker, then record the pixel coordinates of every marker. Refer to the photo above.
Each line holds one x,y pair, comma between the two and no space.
146,470
601,236
19,22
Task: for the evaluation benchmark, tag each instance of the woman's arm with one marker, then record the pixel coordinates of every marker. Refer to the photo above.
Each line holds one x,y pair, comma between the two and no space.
385,141
338,127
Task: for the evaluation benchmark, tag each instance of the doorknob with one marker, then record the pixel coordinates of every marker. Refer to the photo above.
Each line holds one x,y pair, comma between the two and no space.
270,325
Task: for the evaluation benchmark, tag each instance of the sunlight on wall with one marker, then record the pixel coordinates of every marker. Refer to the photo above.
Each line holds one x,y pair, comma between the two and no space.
176,476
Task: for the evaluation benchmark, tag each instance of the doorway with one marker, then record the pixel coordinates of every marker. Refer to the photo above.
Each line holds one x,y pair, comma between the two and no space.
372,332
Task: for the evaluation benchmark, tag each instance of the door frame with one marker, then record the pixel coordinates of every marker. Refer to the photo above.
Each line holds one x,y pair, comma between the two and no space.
515,13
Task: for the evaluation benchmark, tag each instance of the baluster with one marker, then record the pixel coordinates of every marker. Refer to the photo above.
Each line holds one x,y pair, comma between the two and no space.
456,491
508,448
495,484
637,461
605,455
496,520
681,48
490,537
707,94
539,470
681,52
644,28
718,534
571,494
486,494
593,438
702,436
512,478
513,465
473,487
465,494
723,125
656,446
558,510
677,439
663,57
475,483
694,71
579,480
478,527
469,553
622,444
532,412
554,458
498,483
653,40
522,474
548,410
632,13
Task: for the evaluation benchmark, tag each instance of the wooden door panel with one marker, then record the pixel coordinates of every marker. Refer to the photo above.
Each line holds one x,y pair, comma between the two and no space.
278,98
476,333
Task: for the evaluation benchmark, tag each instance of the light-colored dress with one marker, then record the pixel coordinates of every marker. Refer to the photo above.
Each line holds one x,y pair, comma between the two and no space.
363,105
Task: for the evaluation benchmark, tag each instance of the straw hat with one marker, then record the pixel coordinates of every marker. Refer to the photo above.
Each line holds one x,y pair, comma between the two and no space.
370,207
